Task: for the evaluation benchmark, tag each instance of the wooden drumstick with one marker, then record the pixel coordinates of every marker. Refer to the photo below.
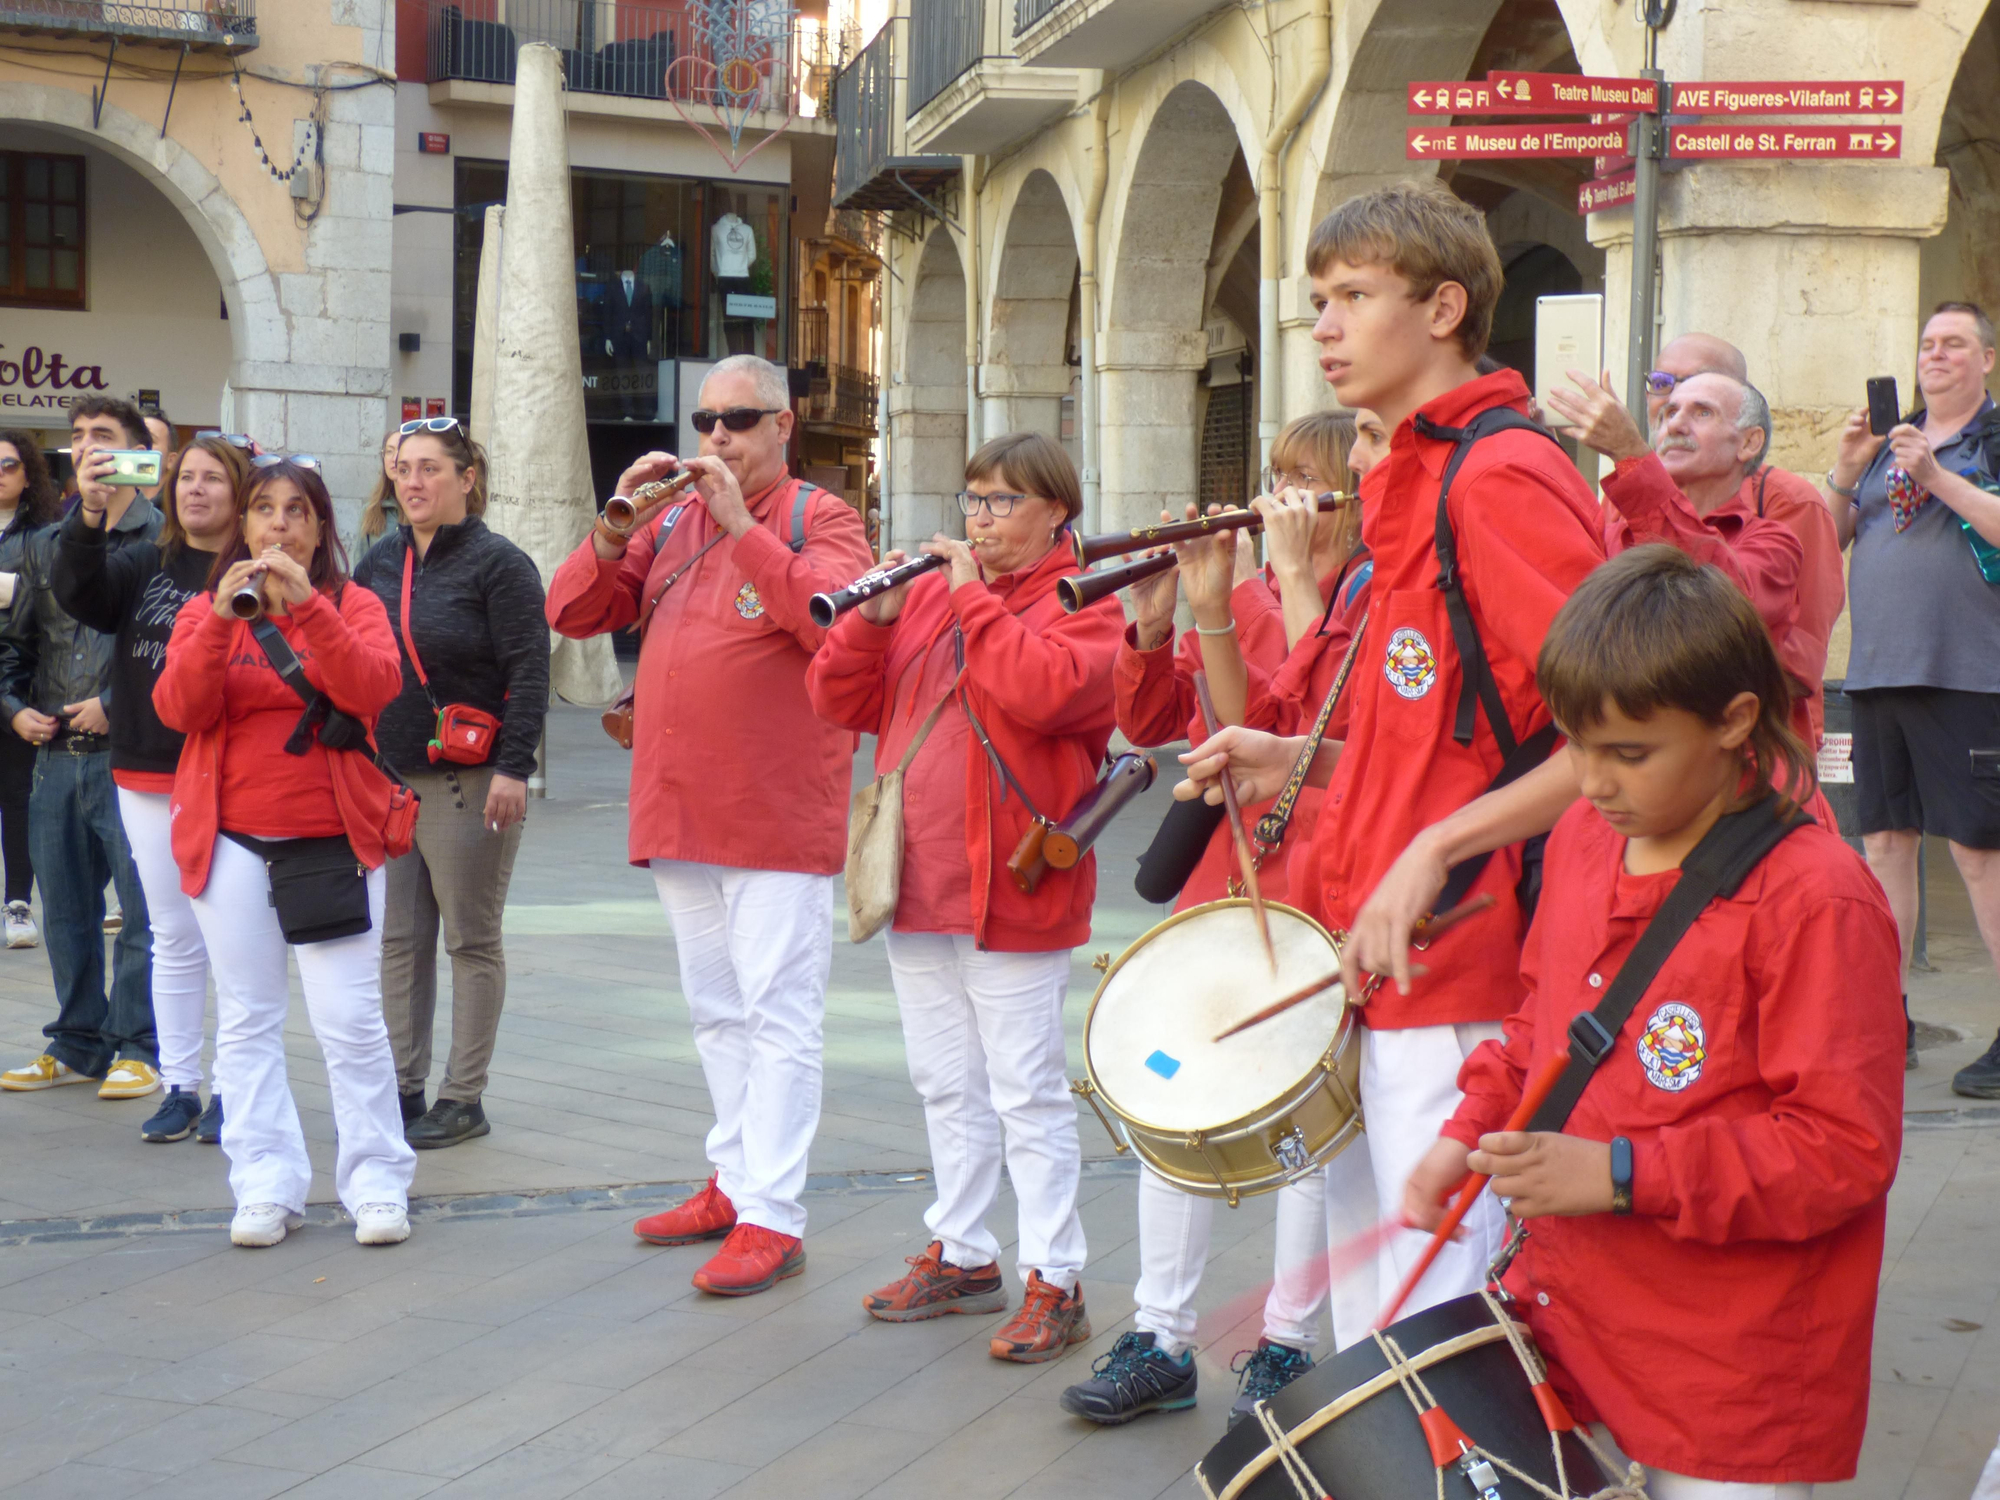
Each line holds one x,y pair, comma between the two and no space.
1244,857
1541,1084
1428,928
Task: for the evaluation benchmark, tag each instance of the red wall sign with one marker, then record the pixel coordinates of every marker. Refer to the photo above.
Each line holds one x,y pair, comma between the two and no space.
433,143
413,408
1798,142
1867,98
434,406
1601,193
1469,142
1568,94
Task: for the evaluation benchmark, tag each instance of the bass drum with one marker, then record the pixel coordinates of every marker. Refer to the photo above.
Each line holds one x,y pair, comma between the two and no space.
1241,1116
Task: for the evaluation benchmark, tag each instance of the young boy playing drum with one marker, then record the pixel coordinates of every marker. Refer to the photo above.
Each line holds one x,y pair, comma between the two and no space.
1701,1271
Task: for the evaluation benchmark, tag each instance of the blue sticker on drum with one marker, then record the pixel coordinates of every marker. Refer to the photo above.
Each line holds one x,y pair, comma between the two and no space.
1164,1065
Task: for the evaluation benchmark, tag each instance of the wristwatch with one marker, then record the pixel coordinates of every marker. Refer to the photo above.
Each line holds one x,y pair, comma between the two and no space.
1839,489
1621,1175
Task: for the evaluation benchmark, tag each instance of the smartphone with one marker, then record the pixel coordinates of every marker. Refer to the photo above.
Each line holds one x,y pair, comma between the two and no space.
1883,410
1569,335
136,466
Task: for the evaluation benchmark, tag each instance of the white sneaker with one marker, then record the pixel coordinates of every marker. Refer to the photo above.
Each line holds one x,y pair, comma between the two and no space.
259,1224
21,931
381,1224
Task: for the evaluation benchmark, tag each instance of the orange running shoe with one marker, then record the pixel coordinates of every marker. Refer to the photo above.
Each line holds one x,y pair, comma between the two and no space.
708,1215
933,1289
752,1259
1049,1321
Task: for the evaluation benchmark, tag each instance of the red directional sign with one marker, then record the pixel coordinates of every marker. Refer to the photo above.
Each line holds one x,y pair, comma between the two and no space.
1463,98
1601,193
1470,142
1800,142
1863,98
1568,94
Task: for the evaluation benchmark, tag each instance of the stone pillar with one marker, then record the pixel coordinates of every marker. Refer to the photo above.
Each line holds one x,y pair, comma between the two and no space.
1151,439
927,463
1023,398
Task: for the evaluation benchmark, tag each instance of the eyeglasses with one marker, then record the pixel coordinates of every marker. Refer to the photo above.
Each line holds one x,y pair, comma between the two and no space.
998,506
1662,382
9,465
1276,479
234,439
736,419
429,424
297,460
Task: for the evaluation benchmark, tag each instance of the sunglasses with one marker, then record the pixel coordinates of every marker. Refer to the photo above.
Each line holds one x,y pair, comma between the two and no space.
234,439
736,419
9,465
297,460
429,424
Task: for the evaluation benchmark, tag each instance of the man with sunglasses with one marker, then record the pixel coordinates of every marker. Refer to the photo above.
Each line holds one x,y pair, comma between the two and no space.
739,790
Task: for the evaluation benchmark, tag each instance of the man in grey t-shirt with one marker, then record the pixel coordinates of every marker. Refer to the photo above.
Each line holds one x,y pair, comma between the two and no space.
1924,671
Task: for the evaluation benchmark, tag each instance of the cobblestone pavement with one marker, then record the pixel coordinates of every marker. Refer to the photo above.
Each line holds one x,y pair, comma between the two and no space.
524,1344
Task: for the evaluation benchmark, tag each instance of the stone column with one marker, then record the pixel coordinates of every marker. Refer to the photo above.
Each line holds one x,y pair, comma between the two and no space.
927,463
1151,441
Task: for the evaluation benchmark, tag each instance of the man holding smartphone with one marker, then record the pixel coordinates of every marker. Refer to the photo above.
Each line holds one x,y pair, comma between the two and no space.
54,674
1924,671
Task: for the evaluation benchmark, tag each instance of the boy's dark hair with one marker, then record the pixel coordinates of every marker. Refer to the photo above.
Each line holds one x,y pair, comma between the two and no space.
1426,235
41,499
1652,629
124,413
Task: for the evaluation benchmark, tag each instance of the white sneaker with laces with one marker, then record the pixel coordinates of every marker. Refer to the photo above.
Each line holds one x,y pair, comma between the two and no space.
260,1224
21,932
381,1224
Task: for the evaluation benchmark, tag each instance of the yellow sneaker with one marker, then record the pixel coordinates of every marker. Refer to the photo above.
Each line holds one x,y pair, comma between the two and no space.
43,1073
130,1078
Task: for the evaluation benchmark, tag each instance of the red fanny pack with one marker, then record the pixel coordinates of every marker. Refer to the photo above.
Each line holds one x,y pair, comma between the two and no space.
465,734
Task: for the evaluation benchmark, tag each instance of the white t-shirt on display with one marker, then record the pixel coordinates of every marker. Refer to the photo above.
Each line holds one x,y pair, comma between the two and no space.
734,244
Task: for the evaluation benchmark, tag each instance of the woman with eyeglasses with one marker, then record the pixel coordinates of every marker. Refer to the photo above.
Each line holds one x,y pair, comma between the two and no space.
28,499
282,820
134,595
380,512
1013,700
466,606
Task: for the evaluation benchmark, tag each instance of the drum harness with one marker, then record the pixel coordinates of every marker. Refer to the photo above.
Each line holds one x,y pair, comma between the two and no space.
1716,866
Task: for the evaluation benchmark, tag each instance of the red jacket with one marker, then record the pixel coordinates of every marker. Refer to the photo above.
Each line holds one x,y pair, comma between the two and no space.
1528,532
1039,680
348,653
1723,1329
1787,498
730,765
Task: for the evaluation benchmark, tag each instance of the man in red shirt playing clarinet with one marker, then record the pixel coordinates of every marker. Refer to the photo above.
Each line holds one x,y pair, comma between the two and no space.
1442,695
739,790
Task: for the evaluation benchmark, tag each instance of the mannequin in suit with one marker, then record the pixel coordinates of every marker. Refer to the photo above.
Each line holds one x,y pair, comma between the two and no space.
628,343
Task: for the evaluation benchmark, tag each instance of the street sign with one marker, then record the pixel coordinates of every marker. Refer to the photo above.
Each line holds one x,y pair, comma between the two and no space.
1797,142
1566,93
1474,142
1601,193
1465,98
1865,98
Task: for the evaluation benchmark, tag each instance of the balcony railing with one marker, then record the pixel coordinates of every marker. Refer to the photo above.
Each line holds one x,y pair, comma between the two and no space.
809,340
946,38
864,115
850,398
202,25
1028,12
633,51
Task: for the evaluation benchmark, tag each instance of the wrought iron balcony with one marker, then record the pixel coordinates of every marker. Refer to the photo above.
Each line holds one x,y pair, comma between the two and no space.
968,93
1099,33
228,26
871,168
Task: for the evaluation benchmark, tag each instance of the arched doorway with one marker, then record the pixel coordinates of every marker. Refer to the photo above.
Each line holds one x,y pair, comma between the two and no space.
1963,263
1028,374
927,404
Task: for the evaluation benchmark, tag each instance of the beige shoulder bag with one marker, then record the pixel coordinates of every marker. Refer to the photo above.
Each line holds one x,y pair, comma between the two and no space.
875,839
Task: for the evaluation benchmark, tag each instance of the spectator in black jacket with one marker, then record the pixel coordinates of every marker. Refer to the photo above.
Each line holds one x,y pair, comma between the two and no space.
474,626
134,594
29,500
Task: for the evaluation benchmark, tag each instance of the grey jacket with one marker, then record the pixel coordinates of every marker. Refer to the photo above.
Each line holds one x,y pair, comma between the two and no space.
48,660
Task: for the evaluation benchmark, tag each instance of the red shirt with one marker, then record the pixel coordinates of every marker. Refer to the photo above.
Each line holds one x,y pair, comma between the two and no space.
730,765
1786,498
1528,532
1722,1330
1039,680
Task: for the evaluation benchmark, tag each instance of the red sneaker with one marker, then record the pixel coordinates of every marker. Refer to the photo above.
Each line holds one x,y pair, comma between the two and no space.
934,1288
708,1215
752,1259
1049,1321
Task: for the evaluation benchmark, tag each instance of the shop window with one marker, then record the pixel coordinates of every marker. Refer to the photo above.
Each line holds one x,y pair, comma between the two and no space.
41,230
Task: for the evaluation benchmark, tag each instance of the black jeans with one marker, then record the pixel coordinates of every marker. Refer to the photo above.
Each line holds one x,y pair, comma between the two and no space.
17,778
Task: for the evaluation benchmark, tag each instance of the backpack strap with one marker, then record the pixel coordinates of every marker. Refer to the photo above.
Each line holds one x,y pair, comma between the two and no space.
806,488
1716,866
285,661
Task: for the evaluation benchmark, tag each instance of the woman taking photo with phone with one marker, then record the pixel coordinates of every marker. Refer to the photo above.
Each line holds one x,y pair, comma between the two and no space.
134,594
466,608
281,823
28,499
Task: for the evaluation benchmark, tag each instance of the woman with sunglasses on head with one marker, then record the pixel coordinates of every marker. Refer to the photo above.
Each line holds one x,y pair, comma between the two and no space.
134,595
28,499
282,820
977,668
466,606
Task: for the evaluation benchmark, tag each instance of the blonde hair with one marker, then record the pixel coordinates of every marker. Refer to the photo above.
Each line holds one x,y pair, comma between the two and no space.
1321,441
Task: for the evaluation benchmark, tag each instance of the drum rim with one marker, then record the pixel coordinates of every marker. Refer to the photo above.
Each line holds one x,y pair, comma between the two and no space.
1293,1092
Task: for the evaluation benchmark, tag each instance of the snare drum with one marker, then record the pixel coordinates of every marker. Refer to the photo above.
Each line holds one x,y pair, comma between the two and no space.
1242,1116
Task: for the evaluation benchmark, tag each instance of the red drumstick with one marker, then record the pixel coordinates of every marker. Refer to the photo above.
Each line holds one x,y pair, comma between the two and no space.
1541,1084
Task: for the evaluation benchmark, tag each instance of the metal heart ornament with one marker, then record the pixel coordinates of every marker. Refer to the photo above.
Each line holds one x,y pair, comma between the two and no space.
740,64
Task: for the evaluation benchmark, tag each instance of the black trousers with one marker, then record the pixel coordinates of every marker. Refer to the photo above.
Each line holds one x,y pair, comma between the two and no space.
17,777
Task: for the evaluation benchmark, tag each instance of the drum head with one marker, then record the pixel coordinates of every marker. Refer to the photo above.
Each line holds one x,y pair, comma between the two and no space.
1151,1034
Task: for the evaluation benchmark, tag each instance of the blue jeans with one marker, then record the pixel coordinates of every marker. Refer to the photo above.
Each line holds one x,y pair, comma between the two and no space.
78,842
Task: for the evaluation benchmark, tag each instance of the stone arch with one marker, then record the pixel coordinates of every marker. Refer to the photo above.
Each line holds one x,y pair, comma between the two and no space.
927,402
1027,369
1962,263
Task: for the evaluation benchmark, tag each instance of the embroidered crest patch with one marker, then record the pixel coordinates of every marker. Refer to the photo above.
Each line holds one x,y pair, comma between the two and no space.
749,603
1672,1048
1410,666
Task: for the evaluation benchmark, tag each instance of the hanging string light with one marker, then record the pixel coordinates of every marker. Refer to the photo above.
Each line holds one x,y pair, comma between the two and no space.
300,157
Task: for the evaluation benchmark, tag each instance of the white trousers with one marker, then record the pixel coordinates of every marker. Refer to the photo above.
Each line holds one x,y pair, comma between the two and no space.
1409,1088
984,1036
1664,1485
343,985
180,958
756,949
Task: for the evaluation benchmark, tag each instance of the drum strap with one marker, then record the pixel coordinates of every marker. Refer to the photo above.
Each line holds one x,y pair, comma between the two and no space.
1716,866
1271,828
